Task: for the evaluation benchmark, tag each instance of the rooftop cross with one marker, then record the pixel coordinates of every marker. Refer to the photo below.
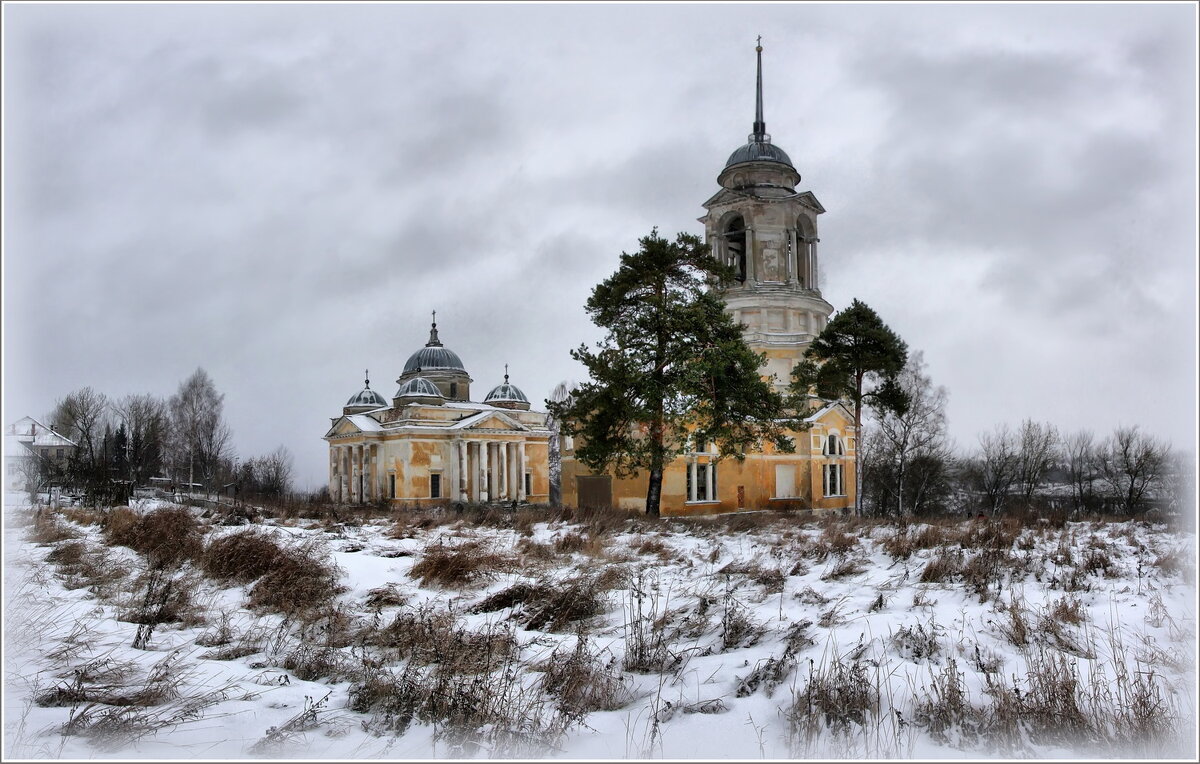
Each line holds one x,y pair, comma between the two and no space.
433,336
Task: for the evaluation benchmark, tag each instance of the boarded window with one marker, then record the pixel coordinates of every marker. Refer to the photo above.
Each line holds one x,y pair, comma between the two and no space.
435,486
785,481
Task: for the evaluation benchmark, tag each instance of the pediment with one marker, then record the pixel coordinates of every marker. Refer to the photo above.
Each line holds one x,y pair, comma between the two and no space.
809,200
343,426
493,421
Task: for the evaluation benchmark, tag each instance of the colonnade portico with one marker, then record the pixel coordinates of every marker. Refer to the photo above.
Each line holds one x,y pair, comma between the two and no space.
354,473
490,470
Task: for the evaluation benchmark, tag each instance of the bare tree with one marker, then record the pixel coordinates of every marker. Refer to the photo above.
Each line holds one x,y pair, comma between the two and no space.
146,422
560,394
82,416
201,439
1037,449
1133,464
275,477
1079,453
997,466
917,434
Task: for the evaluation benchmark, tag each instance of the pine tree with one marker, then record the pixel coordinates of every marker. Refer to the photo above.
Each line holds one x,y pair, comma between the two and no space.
673,366
856,357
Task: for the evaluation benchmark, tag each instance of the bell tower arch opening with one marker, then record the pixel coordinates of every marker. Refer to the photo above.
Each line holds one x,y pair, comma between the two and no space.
733,240
806,252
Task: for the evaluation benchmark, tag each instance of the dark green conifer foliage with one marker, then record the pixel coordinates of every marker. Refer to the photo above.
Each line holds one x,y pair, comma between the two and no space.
855,358
673,364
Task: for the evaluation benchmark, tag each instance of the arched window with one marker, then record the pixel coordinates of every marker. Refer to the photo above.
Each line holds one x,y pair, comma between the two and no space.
806,252
735,245
834,446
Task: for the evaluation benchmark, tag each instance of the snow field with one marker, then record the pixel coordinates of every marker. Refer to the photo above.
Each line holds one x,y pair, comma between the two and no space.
702,639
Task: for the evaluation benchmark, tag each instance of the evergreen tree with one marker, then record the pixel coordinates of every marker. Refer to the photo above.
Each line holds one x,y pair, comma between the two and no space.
856,357
673,365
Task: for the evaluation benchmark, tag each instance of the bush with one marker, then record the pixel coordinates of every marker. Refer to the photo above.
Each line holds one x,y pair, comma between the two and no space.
300,580
167,536
243,556
456,566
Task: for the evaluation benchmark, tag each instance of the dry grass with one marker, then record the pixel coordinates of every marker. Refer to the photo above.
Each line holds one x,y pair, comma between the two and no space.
49,528
583,682
456,566
242,556
942,567
918,642
836,694
300,581
166,536
549,606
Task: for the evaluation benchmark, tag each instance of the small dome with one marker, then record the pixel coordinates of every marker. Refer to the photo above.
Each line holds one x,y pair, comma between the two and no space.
366,397
506,392
759,151
418,387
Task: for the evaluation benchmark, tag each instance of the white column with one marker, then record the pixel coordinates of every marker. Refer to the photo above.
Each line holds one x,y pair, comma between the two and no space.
502,452
692,483
751,265
521,471
813,250
708,481
793,255
462,470
483,471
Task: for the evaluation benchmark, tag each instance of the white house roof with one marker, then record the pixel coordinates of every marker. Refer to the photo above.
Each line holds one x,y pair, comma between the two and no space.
31,432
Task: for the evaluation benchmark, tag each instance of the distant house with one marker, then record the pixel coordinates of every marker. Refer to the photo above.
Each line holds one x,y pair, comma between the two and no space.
28,441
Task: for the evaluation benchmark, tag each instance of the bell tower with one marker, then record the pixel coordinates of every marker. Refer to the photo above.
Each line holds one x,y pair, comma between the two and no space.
766,230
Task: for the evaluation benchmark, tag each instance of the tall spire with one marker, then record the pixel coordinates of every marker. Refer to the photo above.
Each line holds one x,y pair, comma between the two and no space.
760,127
433,338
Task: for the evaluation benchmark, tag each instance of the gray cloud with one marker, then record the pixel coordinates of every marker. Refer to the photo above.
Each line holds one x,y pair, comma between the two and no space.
282,196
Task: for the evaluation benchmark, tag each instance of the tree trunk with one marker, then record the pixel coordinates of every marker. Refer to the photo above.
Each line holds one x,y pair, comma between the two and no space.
654,493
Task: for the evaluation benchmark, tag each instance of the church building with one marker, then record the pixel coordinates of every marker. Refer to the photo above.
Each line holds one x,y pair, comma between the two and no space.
762,226
432,445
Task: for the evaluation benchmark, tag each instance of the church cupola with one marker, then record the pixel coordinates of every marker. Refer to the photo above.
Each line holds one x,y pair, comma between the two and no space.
365,399
507,395
439,365
766,231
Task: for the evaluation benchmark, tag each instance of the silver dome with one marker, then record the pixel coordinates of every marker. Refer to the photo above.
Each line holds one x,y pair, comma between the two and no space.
506,392
366,397
759,151
433,357
418,387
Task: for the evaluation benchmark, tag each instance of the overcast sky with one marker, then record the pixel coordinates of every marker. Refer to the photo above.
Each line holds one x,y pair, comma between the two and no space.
282,194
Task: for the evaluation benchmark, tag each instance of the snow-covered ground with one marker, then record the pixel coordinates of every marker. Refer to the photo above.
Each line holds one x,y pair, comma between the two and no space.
791,639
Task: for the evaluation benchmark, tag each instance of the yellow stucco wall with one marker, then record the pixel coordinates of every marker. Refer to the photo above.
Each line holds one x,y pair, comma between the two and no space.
748,484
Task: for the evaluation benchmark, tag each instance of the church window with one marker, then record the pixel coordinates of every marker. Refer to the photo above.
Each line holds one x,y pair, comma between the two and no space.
435,485
833,480
391,486
834,445
454,390
528,483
